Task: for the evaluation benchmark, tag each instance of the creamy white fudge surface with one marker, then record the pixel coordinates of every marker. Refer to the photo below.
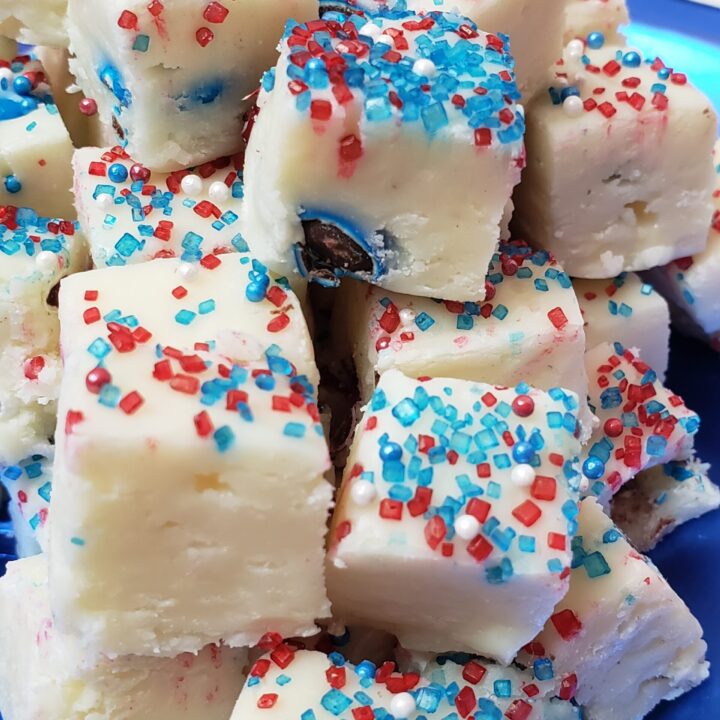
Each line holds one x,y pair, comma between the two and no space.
187,404
658,500
621,630
612,183
40,22
641,422
8,48
454,520
305,685
376,161
583,17
131,214
528,328
690,283
29,485
36,253
45,673
629,311
534,52
173,78
35,148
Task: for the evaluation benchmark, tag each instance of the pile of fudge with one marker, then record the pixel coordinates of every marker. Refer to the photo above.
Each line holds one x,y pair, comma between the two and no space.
333,343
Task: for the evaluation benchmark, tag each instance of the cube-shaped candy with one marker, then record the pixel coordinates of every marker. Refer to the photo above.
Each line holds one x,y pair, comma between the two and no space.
29,485
131,214
45,673
173,78
36,253
187,404
528,328
641,423
621,630
534,52
583,17
8,48
40,22
635,194
303,684
658,500
35,148
389,157
690,283
628,311
454,520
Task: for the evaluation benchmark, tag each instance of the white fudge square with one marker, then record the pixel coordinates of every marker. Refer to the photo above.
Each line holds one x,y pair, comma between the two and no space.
454,520
173,78
131,214
621,629
40,22
690,283
35,253
187,405
641,423
29,485
35,148
353,168
528,328
583,17
629,311
659,500
304,684
45,673
611,183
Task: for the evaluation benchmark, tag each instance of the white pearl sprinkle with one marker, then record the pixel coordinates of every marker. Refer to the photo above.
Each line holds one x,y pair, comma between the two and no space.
402,705
363,492
575,48
573,106
584,484
218,192
424,68
385,40
467,526
104,201
192,185
522,475
187,270
370,29
407,317
46,260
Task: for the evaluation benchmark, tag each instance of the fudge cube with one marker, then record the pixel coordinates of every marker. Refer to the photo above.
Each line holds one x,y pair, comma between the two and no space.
636,194
131,214
641,423
660,499
303,684
172,78
629,311
621,630
529,328
35,148
454,520
45,673
389,158
689,283
36,253
188,404
583,17
534,52
8,48
40,22
29,485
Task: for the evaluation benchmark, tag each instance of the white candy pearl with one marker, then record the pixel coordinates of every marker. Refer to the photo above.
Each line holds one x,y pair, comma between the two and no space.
424,68
104,201
385,40
370,29
522,475
192,185
218,192
467,526
187,270
402,705
363,492
573,106
575,49
46,260
407,317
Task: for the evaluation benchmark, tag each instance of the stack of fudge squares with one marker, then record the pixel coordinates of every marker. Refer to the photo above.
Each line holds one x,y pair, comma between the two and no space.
333,338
